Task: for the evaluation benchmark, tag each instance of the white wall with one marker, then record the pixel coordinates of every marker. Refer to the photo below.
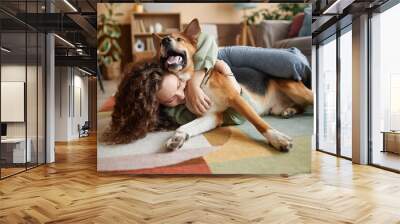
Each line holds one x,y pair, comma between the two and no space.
61,103
79,117
12,73
205,12
33,127
70,83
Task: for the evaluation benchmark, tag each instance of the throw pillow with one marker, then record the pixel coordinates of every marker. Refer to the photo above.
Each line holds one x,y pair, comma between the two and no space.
306,27
295,27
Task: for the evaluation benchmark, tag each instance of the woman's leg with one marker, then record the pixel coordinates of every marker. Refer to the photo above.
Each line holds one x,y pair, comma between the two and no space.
280,63
251,78
244,75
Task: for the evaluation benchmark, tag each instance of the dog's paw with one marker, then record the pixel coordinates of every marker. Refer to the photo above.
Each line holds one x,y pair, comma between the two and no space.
177,140
278,140
289,112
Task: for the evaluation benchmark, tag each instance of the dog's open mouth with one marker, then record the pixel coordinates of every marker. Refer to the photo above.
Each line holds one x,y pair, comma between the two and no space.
174,60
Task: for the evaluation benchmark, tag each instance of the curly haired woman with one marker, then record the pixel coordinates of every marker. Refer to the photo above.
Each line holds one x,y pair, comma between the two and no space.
137,110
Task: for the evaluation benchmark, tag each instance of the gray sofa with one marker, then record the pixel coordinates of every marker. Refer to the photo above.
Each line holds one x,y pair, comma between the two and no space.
273,34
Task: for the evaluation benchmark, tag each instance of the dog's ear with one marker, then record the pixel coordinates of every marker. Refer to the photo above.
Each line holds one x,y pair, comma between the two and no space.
156,41
193,30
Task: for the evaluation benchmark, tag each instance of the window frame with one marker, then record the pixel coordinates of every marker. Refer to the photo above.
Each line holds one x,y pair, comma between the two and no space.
378,10
334,37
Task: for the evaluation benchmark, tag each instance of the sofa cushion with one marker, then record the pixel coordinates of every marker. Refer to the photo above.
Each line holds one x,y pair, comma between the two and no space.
306,27
270,31
296,25
302,43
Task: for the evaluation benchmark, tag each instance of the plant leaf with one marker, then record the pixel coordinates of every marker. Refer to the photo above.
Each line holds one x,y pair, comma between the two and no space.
100,34
117,31
116,56
100,60
105,46
108,60
107,29
116,45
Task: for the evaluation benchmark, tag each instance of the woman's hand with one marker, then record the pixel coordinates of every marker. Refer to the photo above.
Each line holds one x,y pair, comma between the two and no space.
196,100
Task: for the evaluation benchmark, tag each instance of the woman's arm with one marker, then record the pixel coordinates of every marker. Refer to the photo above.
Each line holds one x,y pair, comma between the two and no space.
204,59
222,67
197,101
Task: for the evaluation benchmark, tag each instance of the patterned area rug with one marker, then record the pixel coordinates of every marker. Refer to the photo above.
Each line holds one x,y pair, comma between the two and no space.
225,150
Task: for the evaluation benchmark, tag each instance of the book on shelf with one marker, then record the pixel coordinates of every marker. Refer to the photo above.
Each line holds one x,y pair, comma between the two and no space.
150,44
140,27
136,26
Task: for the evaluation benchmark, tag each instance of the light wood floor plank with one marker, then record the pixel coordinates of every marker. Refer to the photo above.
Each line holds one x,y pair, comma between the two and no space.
71,191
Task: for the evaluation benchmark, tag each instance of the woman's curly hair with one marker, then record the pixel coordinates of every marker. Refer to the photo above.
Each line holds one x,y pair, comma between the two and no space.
137,110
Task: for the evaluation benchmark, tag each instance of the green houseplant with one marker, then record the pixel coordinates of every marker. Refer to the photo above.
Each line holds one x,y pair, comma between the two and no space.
109,51
285,11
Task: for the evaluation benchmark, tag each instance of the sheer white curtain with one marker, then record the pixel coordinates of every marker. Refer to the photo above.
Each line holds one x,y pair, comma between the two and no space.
327,97
346,93
385,80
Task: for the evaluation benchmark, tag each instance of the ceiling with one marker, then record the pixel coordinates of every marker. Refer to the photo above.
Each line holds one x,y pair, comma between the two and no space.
39,6
72,20
332,15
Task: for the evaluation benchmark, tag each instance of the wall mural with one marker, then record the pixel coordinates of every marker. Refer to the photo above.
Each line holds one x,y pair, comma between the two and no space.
225,99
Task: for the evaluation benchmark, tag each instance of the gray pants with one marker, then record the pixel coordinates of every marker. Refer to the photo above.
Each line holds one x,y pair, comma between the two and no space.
275,63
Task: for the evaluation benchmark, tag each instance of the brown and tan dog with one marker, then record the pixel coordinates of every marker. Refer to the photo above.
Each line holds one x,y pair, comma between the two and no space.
281,97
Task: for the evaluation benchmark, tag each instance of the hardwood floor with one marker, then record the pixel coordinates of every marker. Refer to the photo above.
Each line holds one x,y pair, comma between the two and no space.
71,191
8,171
387,159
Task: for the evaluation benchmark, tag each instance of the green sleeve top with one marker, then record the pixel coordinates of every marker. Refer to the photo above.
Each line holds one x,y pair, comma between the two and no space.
206,54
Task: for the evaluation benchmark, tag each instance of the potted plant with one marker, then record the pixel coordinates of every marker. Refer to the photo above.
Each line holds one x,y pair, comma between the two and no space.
108,50
285,11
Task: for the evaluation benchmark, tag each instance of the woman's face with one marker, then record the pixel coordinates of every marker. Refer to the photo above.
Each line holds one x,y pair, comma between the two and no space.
171,92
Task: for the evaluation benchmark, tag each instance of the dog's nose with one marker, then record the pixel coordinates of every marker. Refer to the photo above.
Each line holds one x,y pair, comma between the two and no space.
166,41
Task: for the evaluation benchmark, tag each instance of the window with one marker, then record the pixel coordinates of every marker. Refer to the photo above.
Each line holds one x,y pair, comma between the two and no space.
327,97
330,134
346,93
22,76
385,89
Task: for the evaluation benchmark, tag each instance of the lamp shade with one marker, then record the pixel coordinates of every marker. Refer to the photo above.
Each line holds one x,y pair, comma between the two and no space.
242,6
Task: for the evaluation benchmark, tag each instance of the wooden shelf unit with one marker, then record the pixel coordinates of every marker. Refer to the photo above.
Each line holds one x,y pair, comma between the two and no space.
169,21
